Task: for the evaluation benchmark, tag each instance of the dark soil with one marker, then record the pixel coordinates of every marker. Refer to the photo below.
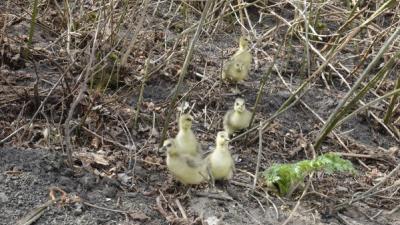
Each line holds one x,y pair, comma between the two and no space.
27,176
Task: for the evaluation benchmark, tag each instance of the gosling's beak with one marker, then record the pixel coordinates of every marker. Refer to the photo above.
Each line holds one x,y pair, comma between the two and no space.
162,149
193,120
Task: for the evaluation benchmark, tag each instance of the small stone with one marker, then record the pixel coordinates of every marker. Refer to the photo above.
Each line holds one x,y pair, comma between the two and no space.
68,172
110,192
88,181
2,178
3,197
78,209
342,189
18,168
154,177
66,183
94,195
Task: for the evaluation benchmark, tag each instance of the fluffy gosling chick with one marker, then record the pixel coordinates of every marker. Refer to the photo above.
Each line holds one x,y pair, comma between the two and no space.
243,54
234,72
185,140
237,118
238,66
186,168
220,160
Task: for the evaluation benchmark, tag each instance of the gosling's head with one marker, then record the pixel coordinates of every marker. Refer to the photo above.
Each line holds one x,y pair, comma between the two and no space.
222,138
238,67
169,146
243,43
185,121
239,105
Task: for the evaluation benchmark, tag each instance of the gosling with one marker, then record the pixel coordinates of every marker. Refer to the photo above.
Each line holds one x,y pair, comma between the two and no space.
185,140
237,118
238,66
220,160
186,168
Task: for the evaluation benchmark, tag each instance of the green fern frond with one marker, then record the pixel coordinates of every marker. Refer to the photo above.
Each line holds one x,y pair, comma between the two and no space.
285,177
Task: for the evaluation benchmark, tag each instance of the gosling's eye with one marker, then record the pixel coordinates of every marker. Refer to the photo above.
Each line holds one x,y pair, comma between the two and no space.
169,145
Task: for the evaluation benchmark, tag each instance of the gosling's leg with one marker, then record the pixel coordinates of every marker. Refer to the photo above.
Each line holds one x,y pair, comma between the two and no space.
211,181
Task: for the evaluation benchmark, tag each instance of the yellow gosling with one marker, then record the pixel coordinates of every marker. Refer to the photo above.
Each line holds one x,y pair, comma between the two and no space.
220,160
238,66
237,118
186,168
186,142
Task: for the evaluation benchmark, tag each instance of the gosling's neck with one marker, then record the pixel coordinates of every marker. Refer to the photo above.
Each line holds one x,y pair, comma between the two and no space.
239,112
184,129
222,146
172,155
243,48
243,45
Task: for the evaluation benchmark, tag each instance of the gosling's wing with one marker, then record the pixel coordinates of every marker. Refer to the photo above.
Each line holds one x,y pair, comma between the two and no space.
243,57
227,69
232,170
198,165
193,162
199,149
238,54
248,116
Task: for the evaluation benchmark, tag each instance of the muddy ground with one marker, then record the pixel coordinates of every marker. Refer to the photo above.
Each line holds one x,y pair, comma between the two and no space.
28,175
101,188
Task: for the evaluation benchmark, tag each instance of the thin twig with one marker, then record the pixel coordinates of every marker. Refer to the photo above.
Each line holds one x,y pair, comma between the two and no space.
260,131
35,214
136,33
140,99
339,108
184,71
82,90
298,202
32,26
371,191
393,101
106,209
37,111
180,207
262,85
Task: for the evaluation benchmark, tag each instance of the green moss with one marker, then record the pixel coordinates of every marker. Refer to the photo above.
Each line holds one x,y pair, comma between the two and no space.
286,177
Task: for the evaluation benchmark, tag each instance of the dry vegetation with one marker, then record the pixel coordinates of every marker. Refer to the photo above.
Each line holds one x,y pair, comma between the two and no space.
104,81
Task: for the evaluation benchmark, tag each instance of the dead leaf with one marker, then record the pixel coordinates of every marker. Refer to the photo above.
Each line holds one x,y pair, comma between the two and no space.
139,216
124,178
95,143
90,157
